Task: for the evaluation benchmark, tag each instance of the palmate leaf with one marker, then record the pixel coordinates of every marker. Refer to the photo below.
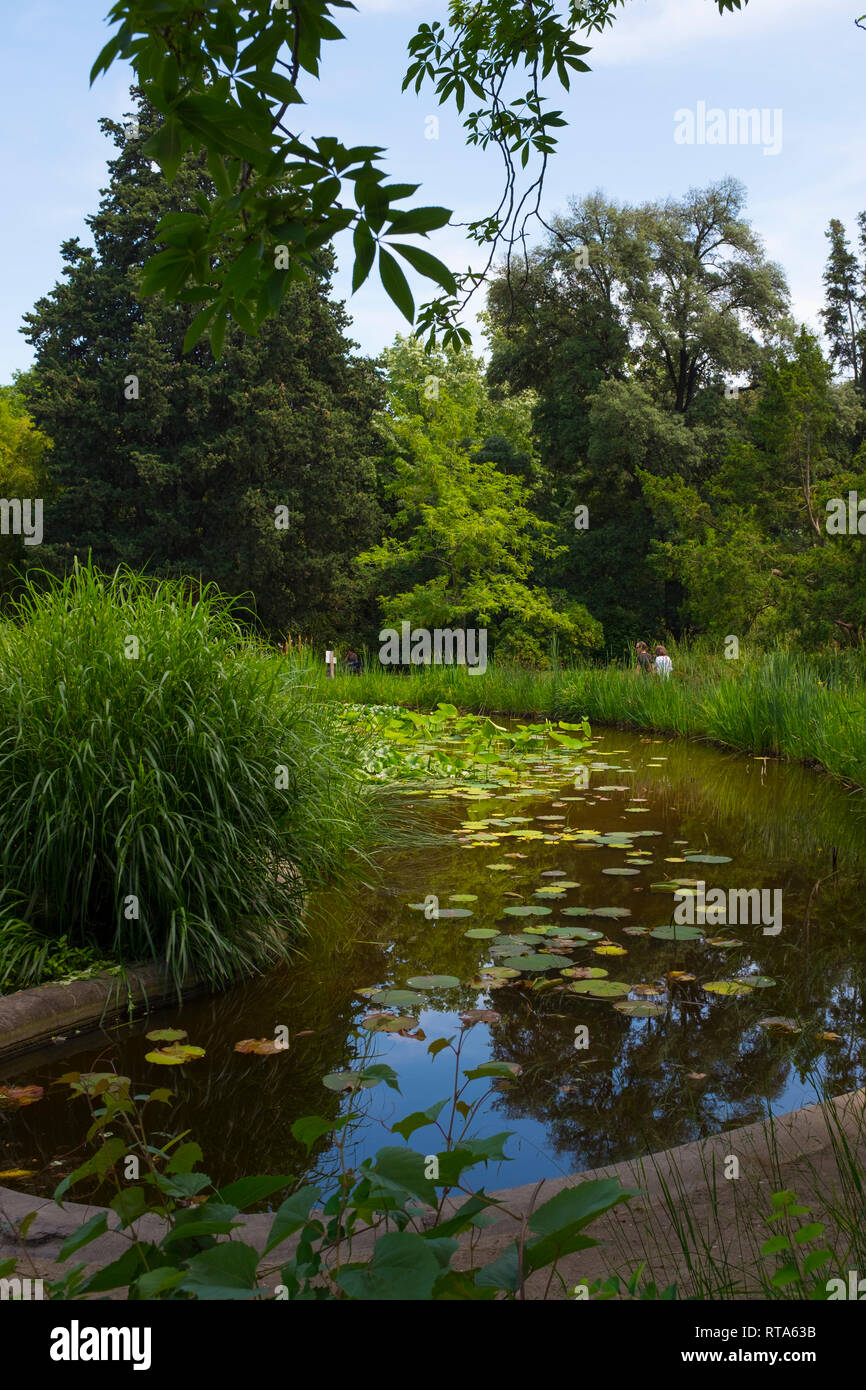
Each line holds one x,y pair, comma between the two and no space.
426,265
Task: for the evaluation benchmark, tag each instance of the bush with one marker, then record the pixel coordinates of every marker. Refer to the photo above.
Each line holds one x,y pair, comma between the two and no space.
165,792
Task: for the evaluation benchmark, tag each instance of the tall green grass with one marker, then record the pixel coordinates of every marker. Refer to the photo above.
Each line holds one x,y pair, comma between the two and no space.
164,791
779,704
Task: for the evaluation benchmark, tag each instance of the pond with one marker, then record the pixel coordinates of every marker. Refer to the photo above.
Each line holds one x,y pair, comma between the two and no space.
527,878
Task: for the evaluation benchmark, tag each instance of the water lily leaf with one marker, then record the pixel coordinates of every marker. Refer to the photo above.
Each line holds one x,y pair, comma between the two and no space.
481,933
648,991
174,1055
463,897
388,1023
348,1081
780,1025
723,941
166,1035
621,873
433,982
576,911
610,911
681,977
708,859
727,987
502,868
262,1047
537,962
609,950
14,1097
398,997
532,910
673,931
480,1016
585,972
640,1010
600,989
760,981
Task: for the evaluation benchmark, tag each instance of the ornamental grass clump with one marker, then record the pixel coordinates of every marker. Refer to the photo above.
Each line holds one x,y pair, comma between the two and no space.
164,792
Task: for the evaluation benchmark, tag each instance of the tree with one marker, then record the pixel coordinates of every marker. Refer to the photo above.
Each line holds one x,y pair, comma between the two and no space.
224,76
23,475
844,315
257,472
464,539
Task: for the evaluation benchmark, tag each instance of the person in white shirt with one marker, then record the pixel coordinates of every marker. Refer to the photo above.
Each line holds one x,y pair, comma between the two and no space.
663,664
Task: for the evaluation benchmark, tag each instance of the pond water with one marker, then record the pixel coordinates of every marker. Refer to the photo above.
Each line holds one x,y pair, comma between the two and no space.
600,861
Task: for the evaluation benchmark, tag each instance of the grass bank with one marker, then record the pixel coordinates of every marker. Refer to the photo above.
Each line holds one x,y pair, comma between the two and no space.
779,704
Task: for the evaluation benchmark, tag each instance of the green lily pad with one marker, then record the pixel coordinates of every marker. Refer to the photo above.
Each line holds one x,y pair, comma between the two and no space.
481,933
576,911
463,897
166,1035
399,997
537,962
760,981
174,1055
672,931
622,873
637,1010
708,859
534,910
727,987
585,972
433,982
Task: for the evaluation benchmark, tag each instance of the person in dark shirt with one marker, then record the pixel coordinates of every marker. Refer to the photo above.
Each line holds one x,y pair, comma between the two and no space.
644,660
352,662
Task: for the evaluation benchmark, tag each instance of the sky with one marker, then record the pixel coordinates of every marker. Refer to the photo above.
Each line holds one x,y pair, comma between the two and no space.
801,61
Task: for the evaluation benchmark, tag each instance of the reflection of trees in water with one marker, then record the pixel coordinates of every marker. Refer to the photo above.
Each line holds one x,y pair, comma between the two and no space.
632,1094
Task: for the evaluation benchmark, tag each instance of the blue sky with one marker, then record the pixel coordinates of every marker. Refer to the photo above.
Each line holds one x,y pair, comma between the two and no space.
802,57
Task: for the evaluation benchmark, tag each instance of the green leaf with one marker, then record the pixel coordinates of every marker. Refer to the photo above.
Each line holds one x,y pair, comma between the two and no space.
426,265
96,1226
245,1191
501,1273
291,1216
226,1271
185,1158
132,1263
198,326
418,1120
310,1128
775,1244
418,221
396,284
403,1268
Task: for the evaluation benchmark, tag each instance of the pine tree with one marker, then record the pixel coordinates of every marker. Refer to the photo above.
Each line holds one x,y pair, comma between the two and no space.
843,315
256,472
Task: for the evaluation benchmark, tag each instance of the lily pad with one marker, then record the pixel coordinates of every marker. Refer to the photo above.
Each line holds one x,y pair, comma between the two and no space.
780,1025
673,931
481,933
622,873
398,997
600,989
533,910
760,981
348,1081
636,1010
585,972
576,911
727,987
166,1035
537,962
433,982
610,950
463,897
388,1023
611,912
175,1055
708,859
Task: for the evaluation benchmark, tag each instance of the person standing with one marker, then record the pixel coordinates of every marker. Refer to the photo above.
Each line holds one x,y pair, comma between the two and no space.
644,661
663,664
